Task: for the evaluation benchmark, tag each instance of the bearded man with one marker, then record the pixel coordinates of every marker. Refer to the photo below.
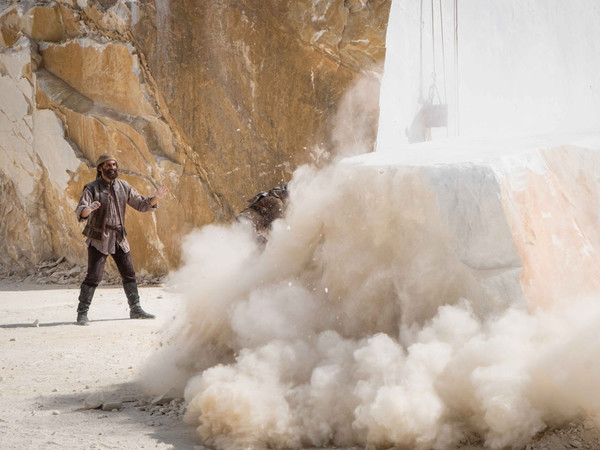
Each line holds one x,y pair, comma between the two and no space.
102,205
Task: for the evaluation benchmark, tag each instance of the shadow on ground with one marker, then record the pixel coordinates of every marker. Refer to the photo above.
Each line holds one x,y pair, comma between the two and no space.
54,324
168,429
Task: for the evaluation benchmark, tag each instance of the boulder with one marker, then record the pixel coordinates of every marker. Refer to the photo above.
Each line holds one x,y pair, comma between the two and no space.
510,222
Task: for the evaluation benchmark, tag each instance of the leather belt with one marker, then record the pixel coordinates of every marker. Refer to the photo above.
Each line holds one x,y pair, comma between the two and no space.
114,227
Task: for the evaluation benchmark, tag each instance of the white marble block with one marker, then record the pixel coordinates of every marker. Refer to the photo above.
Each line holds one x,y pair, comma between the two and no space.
518,218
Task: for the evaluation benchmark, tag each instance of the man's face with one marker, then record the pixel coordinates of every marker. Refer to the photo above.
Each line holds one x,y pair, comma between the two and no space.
110,169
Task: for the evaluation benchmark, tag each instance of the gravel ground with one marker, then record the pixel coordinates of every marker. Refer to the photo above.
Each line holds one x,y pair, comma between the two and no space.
50,368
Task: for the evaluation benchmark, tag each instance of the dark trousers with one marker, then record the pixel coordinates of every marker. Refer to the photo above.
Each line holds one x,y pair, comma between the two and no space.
96,261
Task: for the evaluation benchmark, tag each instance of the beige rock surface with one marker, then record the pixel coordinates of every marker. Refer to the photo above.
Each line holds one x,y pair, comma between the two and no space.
218,100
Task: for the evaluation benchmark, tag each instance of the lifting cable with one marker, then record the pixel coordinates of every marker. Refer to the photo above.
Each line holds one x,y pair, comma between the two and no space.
443,51
457,111
433,106
433,88
433,74
421,25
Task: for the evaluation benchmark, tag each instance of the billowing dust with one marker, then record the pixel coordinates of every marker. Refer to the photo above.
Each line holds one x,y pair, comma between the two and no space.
353,326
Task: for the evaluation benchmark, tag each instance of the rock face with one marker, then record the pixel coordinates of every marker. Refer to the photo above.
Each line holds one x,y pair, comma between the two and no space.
218,100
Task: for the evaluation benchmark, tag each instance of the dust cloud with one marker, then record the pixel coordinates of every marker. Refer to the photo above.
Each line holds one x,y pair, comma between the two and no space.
355,122
355,325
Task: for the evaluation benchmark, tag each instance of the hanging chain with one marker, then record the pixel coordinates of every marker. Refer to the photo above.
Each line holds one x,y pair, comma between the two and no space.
443,51
421,25
433,38
456,65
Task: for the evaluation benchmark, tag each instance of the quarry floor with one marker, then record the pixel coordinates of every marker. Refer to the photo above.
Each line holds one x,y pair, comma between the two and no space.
49,366
48,371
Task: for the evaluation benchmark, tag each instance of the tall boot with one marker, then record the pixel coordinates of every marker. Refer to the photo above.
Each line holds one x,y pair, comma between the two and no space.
85,300
133,298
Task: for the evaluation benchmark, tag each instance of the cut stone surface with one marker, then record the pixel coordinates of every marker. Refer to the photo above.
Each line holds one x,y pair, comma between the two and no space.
519,218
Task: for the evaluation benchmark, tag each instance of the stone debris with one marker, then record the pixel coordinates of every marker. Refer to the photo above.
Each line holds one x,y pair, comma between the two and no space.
62,272
580,434
174,408
166,397
471,440
114,406
51,264
166,405
94,401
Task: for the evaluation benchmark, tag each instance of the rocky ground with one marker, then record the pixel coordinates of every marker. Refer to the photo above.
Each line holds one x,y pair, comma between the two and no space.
61,272
66,386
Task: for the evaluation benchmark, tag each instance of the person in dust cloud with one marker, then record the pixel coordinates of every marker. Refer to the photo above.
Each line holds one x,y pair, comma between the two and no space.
263,209
102,207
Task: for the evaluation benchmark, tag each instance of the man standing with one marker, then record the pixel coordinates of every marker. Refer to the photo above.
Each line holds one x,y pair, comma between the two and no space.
102,204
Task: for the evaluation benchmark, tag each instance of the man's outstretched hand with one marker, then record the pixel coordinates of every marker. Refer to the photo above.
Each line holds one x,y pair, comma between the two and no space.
161,192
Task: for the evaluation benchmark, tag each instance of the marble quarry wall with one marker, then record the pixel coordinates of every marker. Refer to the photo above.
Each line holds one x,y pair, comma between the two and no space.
218,100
